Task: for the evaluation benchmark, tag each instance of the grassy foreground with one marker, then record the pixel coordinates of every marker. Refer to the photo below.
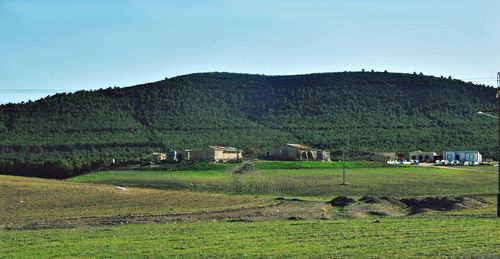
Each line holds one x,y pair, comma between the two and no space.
38,203
323,182
407,237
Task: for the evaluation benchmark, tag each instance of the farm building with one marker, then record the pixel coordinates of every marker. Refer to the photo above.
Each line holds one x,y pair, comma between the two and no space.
156,157
296,152
422,156
463,156
213,154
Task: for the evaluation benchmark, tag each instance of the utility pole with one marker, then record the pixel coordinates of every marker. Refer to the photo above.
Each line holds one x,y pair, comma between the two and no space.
343,162
498,118
498,104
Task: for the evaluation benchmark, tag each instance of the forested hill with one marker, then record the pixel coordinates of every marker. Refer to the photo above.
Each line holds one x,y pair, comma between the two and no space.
381,111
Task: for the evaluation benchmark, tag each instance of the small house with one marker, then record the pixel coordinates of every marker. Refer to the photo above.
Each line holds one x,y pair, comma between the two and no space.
214,154
463,156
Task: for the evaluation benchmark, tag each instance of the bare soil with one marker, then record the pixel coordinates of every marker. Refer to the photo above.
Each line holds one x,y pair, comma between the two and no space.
282,209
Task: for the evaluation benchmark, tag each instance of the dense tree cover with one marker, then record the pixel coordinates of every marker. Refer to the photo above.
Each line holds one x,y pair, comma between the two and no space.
380,111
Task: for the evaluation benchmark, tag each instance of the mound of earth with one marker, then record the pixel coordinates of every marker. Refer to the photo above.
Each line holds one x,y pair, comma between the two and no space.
370,199
393,201
442,203
370,205
341,201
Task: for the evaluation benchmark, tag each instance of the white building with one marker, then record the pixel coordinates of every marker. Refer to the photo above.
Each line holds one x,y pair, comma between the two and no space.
463,156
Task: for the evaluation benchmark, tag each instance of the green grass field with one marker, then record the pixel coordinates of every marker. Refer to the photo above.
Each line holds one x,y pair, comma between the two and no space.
323,182
396,238
315,165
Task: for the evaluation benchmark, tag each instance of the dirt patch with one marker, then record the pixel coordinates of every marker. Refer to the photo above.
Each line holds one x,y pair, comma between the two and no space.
282,209
393,201
370,199
369,206
341,201
388,206
442,204
281,199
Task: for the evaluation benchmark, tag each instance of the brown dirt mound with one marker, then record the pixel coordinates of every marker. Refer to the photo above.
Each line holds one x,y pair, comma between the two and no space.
341,201
370,199
472,203
393,201
442,203
379,213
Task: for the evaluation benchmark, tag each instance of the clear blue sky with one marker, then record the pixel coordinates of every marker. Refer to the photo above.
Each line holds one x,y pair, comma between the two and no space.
60,46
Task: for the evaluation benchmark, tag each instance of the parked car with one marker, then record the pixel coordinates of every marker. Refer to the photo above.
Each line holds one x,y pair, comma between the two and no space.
471,163
441,162
403,162
455,162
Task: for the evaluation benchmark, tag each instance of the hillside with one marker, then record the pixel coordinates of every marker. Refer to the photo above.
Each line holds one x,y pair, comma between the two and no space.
382,112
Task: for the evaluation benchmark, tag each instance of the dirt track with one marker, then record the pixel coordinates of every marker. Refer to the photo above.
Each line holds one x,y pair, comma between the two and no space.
281,210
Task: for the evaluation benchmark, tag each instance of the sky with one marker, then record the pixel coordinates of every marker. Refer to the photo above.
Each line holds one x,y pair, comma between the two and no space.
52,46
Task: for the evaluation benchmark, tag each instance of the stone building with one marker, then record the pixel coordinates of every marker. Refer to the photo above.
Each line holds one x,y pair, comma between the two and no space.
296,152
214,154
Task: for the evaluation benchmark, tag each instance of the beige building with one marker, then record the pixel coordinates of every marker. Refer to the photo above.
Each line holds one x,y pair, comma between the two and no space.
422,156
296,152
214,154
156,157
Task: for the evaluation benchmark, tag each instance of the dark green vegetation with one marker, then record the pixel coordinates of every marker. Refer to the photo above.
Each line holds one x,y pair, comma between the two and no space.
395,238
69,134
398,181
72,133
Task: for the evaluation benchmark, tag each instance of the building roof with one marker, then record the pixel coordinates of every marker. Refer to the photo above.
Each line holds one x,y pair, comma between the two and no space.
224,149
420,151
461,151
299,146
